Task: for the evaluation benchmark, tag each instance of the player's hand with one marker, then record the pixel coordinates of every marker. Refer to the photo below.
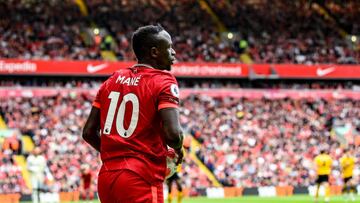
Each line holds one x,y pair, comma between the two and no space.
180,153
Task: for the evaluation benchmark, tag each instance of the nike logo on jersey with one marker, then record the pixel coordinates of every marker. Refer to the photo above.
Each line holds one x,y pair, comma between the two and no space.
322,72
92,69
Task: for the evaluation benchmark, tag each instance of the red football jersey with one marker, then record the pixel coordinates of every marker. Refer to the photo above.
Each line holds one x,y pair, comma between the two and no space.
131,130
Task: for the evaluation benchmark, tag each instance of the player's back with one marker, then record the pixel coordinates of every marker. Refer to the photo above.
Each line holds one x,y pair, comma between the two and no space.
323,163
347,165
131,136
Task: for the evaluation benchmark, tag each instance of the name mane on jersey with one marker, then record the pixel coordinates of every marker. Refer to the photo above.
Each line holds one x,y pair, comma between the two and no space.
130,81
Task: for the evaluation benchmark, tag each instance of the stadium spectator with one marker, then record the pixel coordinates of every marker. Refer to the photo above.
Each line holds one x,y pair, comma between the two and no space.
36,165
12,143
85,183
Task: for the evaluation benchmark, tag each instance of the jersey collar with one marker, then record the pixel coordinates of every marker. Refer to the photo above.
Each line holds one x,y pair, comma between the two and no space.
142,65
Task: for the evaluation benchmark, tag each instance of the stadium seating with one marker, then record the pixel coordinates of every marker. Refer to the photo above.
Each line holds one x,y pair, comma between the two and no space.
246,143
267,37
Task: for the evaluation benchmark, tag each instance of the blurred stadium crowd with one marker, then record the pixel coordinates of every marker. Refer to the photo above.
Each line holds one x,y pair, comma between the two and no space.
244,142
278,32
264,142
54,125
11,180
232,131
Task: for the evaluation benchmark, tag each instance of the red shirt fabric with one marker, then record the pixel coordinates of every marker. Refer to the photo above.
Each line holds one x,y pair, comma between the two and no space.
86,178
131,129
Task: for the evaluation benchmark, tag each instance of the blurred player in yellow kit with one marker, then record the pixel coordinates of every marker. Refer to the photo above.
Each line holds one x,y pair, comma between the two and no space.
175,178
347,163
323,163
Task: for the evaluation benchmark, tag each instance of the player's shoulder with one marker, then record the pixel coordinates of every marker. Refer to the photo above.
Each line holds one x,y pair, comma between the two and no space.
161,79
352,159
160,74
146,72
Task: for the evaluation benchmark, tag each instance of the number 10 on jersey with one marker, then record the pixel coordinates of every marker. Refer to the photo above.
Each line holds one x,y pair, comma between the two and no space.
114,97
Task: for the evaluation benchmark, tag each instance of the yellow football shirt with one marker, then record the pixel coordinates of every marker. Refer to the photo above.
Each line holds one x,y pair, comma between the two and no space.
323,163
347,166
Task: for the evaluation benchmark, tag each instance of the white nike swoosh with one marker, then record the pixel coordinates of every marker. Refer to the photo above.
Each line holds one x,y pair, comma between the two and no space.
322,72
92,69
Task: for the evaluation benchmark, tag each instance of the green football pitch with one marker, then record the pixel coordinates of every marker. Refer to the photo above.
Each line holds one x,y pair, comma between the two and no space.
255,199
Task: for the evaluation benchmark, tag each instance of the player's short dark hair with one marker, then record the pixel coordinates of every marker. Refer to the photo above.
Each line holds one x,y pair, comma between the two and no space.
143,39
323,151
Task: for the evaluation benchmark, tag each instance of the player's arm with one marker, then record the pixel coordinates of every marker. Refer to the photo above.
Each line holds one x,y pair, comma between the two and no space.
316,164
171,127
168,109
173,132
91,131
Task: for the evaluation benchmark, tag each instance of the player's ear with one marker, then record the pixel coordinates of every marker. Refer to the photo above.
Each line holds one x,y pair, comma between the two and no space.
154,52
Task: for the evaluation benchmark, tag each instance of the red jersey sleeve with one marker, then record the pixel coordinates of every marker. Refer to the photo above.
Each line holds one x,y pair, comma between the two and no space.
169,93
96,103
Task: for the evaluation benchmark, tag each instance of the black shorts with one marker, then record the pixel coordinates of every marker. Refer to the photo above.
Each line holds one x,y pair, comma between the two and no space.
347,179
322,178
173,178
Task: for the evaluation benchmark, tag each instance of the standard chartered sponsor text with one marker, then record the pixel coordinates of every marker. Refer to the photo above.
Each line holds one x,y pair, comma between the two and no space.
207,70
11,67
